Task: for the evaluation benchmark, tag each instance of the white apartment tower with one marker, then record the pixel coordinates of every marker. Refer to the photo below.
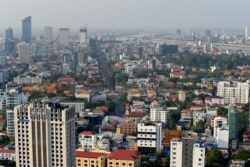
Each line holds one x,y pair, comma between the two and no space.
64,36
10,123
14,95
44,135
149,137
158,113
233,92
24,52
186,153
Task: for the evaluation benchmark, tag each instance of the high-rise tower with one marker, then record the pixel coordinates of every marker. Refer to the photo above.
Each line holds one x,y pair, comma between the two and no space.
64,36
48,32
44,135
26,29
83,36
9,41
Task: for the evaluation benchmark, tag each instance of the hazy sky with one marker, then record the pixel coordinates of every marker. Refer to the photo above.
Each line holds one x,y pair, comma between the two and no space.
153,14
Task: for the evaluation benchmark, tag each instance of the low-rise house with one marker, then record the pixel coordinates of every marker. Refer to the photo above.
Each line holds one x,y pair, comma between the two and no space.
198,115
83,94
66,81
133,94
89,159
214,100
7,154
123,158
237,163
87,140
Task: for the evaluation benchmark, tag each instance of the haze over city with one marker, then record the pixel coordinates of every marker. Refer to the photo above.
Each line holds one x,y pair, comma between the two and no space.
132,83
129,14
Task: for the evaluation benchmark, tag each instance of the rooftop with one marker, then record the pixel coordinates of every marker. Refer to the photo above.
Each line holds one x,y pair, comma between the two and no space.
86,154
124,155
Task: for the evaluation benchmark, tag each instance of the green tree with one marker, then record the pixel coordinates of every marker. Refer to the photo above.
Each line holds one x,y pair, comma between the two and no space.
110,105
175,115
4,140
199,127
222,111
214,158
243,155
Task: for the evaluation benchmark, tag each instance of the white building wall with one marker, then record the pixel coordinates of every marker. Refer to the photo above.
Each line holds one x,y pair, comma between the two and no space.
197,116
218,122
150,140
222,138
233,92
176,153
10,123
87,141
198,156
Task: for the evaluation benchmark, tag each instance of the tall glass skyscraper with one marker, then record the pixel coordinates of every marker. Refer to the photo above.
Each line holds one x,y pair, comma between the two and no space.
26,28
9,42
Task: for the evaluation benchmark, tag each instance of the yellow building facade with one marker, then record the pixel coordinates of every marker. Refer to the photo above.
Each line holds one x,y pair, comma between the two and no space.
90,159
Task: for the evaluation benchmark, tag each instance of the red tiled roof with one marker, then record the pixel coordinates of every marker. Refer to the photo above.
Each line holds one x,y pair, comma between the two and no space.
100,109
7,151
87,154
246,133
124,155
87,133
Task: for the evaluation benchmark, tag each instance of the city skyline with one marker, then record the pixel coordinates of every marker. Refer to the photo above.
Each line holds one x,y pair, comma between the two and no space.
112,14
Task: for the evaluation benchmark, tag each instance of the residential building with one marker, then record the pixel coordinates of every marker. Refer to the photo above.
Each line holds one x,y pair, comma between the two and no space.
123,158
66,81
20,80
26,29
24,52
77,105
222,136
83,94
149,137
14,95
63,36
237,163
10,122
7,154
126,128
44,134
186,153
87,140
198,115
89,159
233,92
158,113
214,101
182,96
218,122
